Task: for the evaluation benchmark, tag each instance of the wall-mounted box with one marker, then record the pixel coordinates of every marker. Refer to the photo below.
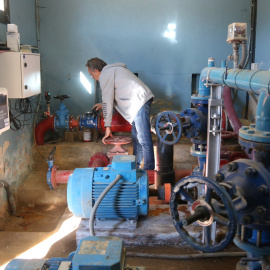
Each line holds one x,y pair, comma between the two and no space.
20,74
4,111
237,32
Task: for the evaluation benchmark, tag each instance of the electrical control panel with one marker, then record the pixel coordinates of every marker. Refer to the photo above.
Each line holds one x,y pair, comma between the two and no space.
4,111
237,32
20,74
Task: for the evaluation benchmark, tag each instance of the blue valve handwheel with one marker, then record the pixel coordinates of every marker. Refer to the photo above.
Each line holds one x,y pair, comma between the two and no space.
168,127
219,206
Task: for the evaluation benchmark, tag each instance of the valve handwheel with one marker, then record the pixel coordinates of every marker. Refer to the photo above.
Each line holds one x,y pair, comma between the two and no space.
168,127
215,206
118,140
62,97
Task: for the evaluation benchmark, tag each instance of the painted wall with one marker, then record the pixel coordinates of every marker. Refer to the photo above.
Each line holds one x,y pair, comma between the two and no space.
15,146
262,56
134,32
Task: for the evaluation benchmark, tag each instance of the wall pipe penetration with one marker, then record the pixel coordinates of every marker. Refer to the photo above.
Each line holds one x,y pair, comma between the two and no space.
10,197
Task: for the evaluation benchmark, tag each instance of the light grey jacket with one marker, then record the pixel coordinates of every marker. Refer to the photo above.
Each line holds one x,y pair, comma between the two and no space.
122,90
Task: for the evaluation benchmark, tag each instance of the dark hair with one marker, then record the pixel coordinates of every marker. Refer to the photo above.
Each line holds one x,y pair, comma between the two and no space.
96,63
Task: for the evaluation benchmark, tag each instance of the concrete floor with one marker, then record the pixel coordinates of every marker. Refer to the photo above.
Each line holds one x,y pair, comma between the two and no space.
43,212
13,243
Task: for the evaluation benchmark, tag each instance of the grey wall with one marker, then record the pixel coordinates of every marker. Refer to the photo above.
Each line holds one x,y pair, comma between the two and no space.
133,32
22,13
15,146
263,38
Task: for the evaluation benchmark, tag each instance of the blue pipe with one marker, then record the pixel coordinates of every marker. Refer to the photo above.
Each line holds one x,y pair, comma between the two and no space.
253,81
259,132
203,90
262,113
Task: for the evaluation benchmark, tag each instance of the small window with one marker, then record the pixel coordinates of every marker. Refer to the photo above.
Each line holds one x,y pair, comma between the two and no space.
4,11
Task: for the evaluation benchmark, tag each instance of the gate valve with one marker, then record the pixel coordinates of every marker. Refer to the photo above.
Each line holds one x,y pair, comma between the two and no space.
214,212
168,127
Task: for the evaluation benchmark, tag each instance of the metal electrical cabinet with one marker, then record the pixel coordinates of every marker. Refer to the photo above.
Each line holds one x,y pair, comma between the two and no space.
20,74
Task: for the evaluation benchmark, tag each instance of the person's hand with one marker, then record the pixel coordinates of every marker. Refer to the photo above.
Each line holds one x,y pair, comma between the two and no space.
97,106
108,133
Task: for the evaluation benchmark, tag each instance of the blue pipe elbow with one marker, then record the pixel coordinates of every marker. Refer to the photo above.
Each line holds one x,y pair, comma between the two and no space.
262,113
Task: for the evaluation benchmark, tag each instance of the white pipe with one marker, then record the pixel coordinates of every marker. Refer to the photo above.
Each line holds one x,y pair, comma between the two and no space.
97,203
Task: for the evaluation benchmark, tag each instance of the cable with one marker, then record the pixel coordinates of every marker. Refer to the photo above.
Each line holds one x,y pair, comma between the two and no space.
186,256
22,112
16,123
97,203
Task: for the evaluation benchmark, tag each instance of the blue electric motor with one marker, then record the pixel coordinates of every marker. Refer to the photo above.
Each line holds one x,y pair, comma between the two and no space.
104,253
128,199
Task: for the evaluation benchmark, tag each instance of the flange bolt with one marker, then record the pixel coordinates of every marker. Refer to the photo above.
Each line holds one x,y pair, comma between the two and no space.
219,177
231,167
250,171
260,210
263,189
246,220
